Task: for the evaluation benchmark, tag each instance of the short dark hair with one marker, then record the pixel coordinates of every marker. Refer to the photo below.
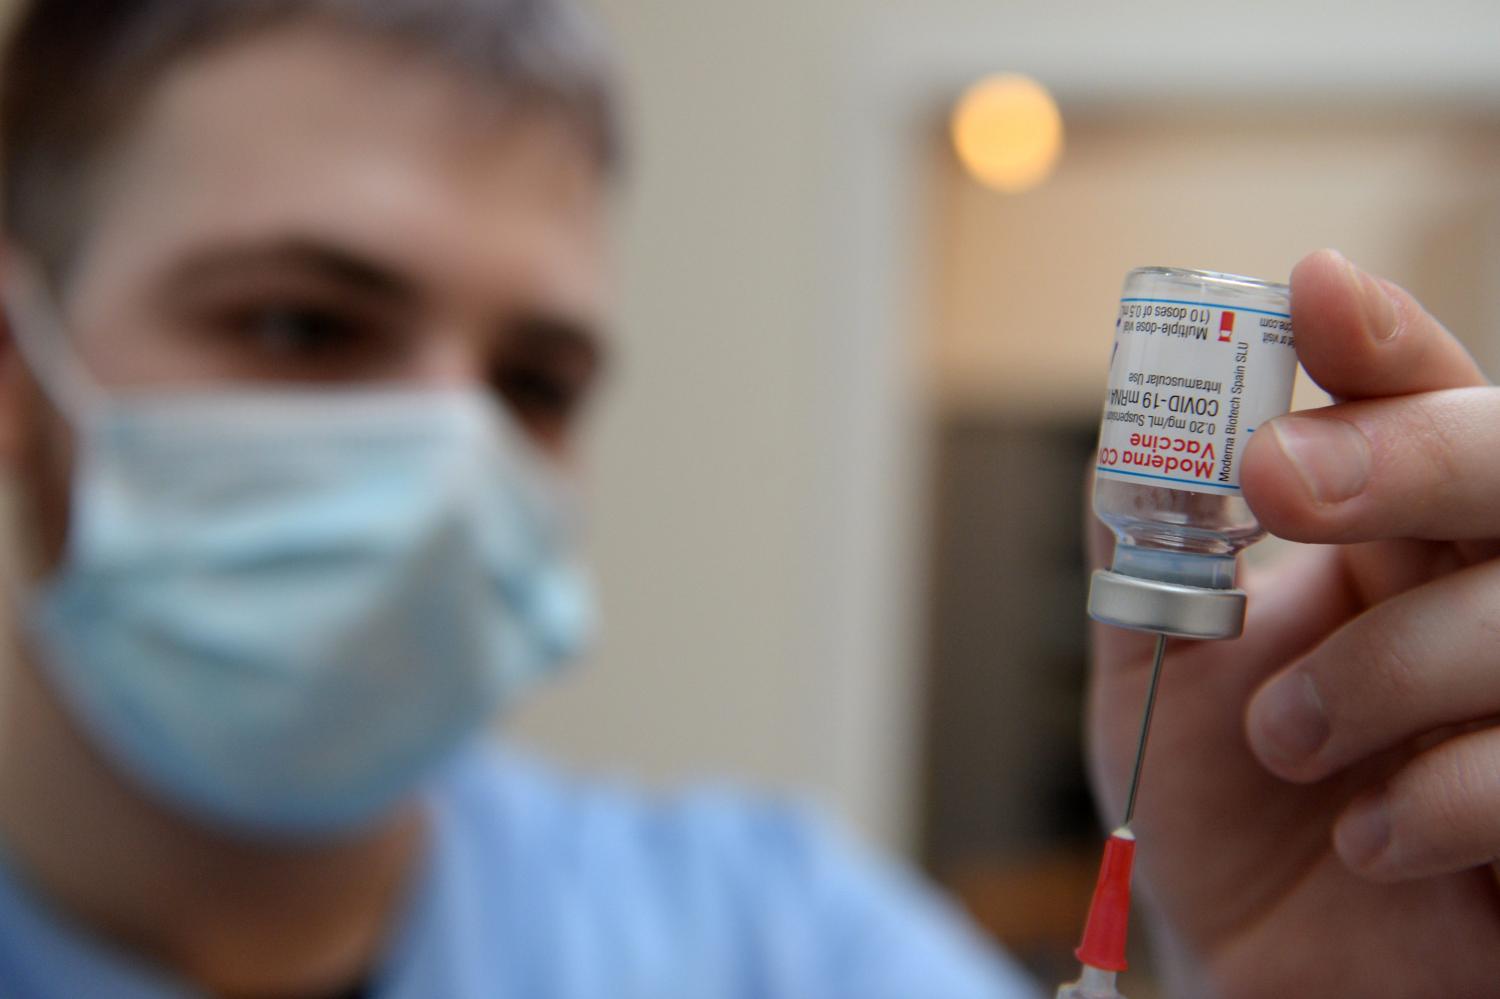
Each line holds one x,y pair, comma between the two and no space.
76,73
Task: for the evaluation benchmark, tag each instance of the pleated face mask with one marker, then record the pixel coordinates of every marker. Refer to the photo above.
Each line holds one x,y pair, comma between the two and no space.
280,609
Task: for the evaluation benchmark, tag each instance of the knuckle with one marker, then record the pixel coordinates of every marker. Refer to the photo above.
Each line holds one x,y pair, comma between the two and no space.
1481,607
1444,804
1438,793
1387,673
1403,670
1441,437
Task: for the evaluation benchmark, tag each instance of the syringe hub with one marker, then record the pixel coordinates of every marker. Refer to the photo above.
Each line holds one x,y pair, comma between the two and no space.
1103,944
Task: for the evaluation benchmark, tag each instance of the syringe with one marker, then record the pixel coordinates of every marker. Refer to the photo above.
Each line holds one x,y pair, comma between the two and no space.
1201,360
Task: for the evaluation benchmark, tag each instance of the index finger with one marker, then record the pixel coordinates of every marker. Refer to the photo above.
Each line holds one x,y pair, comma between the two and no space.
1362,337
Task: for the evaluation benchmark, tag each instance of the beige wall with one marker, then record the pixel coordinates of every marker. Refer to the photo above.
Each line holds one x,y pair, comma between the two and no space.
701,466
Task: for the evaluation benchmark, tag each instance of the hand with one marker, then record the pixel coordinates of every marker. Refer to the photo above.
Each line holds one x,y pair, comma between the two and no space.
1321,802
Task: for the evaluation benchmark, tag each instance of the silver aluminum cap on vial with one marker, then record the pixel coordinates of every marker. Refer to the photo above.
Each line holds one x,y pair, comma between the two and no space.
1166,608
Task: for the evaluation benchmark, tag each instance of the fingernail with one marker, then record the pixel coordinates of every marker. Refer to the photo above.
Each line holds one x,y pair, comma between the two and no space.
1364,833
1381,315
1331,456
1288,722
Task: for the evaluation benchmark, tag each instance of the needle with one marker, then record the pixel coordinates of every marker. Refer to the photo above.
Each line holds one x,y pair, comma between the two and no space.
1140,750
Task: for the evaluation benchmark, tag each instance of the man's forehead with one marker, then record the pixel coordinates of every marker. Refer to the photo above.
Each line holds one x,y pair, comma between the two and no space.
309,131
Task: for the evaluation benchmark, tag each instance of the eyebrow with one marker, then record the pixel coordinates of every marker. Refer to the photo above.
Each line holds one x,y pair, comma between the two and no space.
355,271
328,261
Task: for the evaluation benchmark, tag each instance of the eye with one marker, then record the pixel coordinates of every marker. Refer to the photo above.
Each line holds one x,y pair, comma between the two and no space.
291,332
287,339
545,371
542,399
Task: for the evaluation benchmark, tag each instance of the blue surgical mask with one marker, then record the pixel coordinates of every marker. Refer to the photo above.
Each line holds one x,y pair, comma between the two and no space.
279,610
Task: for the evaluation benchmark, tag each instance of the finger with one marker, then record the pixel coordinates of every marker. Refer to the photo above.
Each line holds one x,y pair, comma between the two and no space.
1383,569
1438,815
1360,336
1418,662
1294,602
1415,467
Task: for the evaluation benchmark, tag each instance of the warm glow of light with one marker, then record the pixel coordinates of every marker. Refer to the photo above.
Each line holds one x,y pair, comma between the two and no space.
1008,132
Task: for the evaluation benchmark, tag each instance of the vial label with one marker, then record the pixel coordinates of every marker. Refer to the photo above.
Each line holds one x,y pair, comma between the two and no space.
1189,383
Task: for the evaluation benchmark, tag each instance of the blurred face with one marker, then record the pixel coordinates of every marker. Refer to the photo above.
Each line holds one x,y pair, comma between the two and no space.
308,206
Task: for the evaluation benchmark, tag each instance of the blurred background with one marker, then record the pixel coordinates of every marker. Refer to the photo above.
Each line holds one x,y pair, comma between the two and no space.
867,308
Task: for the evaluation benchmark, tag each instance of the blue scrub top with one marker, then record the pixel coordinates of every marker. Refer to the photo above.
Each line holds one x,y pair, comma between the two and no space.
537,886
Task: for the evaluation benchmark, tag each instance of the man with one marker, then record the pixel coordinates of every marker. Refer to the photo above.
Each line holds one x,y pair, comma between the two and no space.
304,299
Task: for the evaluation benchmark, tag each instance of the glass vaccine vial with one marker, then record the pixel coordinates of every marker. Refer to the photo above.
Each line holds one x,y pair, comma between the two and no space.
1201,361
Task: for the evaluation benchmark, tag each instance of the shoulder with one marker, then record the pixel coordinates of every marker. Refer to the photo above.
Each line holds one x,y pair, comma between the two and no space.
509,799
741,880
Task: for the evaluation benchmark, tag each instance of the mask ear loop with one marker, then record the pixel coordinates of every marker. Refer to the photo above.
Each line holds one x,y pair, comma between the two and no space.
41,339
